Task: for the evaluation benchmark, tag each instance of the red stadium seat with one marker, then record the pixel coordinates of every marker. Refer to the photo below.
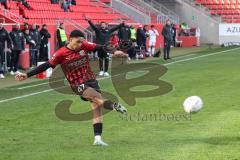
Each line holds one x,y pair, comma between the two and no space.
229,10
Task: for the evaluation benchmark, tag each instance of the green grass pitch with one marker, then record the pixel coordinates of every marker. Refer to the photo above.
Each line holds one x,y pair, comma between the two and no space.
30,130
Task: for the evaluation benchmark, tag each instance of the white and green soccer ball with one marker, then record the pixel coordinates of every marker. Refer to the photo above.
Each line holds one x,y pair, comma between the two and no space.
192,104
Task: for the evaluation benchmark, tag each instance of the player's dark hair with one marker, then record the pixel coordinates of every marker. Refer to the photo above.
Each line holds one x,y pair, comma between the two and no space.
152,26
76,34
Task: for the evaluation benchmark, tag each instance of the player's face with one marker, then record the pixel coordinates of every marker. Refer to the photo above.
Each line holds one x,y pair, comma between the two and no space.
76,43
1,26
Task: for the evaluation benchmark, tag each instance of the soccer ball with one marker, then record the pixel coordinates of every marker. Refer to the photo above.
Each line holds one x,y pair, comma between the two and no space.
192,104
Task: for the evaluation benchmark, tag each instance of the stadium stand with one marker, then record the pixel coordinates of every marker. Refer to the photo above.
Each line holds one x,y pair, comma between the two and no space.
43,11
229,10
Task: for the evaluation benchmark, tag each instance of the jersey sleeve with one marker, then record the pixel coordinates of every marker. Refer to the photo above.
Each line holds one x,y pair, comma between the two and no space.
88,46
55,59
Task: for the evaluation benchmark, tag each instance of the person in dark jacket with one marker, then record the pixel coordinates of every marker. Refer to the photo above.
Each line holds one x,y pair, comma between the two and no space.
124,33
141,36
28,38
25,27
45,35
168,38
145,30
34,48
17,37
103,37
174,34
4,37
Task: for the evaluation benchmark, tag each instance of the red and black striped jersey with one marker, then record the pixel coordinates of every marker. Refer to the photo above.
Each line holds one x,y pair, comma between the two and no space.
75,64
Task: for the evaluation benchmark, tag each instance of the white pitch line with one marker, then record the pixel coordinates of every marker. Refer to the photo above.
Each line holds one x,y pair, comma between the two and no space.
166,64
24,96
206,55
35,85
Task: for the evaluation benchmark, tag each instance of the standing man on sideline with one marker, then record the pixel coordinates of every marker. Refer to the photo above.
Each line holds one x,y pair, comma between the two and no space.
133,38
18,41
34,48
61,36
168,38
103,37
45,35
4,37
124,32
174,34
140,36
153,33
145,30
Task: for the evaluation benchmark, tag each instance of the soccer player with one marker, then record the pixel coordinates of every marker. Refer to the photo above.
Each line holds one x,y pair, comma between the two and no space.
153,33
74,61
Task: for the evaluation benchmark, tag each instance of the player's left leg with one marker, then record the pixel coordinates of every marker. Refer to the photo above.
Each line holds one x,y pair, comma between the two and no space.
97,102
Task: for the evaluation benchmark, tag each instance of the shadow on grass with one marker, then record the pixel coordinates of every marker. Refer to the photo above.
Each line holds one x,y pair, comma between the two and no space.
209,140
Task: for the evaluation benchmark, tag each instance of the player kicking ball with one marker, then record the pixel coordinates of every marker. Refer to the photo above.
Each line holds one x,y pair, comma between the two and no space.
75,64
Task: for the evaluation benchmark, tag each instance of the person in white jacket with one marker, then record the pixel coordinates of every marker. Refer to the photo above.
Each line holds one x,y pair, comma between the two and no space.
153,33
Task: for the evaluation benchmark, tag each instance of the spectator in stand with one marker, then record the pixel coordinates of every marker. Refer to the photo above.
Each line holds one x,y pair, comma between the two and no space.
153,33
24,3
168,38
61,36
74,2
34,48
17,37
45,35
4,37
4,3
102,38
64,5
55,1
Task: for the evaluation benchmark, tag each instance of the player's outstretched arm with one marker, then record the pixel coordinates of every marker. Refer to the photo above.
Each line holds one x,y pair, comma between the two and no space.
35,71
116,27
93,26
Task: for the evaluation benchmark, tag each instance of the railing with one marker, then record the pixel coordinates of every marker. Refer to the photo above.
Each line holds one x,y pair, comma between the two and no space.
202,9
164,10
113,9
153,9
131,11
13,17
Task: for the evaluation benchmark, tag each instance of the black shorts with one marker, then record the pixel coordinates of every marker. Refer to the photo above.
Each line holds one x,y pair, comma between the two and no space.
81,88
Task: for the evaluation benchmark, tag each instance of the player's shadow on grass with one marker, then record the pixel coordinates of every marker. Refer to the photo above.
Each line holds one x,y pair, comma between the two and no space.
209,140
221,140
